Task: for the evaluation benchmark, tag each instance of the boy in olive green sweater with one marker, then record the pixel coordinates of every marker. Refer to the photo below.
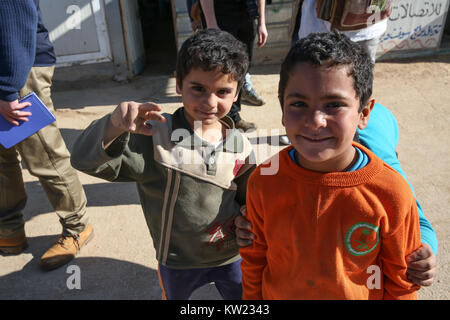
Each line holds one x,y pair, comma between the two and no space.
190,167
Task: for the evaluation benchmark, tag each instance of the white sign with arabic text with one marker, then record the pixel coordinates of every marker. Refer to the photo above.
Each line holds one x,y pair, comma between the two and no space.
414,25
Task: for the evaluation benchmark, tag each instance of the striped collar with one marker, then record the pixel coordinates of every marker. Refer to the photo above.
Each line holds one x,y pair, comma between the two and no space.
233,143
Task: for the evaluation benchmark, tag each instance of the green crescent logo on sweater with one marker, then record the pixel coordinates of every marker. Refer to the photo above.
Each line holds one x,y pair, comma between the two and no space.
362,238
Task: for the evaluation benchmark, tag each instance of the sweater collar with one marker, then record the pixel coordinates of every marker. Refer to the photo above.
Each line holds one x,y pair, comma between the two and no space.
337,179
233,142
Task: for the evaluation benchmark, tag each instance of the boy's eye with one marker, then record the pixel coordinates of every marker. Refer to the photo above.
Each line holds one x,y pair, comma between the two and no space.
223,92
298,104
334,105
197,88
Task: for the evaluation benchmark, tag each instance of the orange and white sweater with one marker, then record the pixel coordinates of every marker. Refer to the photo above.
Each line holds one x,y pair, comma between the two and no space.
339,235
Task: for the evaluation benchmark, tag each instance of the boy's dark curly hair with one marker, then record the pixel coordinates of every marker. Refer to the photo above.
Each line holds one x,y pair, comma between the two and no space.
211,49
331,50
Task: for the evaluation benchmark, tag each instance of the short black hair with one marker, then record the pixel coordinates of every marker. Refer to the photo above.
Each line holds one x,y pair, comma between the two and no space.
210,49
331,49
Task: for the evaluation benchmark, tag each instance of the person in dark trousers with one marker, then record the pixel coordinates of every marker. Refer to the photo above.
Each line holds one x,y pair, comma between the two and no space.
238,18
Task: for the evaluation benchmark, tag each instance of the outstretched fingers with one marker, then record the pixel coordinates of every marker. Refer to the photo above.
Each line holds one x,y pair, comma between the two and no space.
150,111
147,111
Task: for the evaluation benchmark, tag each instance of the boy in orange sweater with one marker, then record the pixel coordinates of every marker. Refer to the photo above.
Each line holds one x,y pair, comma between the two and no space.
344,221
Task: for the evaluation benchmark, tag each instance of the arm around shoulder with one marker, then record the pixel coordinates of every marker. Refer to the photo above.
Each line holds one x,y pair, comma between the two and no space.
401,236
254,256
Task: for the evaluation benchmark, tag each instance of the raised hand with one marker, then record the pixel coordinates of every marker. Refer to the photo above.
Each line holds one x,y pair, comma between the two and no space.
131,117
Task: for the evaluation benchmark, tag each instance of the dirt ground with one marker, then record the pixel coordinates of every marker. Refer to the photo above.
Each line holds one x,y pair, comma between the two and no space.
120,262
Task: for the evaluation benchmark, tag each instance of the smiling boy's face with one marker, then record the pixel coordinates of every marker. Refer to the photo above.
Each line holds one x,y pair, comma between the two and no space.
207,96
320,114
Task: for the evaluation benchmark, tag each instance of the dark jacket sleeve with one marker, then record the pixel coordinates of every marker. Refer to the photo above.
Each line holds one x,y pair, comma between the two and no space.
18,27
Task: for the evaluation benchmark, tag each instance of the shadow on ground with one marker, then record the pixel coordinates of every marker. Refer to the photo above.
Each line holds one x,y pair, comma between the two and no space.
100,278
114,194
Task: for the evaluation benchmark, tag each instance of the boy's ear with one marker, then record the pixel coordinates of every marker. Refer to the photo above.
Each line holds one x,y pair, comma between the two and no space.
237,95
365,114
282,111
282,118
178,86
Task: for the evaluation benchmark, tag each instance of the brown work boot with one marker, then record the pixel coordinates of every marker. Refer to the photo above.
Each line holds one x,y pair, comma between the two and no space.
245,125
65,249
14,245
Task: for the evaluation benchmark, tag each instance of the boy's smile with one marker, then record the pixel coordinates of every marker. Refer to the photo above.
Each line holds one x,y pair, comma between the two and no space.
207,96
320,114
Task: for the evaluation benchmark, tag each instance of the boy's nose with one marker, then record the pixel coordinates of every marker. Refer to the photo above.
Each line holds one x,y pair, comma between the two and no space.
211,100
315,119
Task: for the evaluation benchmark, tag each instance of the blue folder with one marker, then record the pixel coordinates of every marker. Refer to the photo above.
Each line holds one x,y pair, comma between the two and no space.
10,135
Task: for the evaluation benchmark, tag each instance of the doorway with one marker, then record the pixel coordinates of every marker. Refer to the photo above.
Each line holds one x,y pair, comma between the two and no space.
159,37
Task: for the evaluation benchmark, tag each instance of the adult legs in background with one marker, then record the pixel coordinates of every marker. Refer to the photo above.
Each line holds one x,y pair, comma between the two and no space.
47,158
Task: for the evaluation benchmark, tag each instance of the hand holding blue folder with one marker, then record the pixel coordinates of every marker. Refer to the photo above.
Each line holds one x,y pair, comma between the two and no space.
10,135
